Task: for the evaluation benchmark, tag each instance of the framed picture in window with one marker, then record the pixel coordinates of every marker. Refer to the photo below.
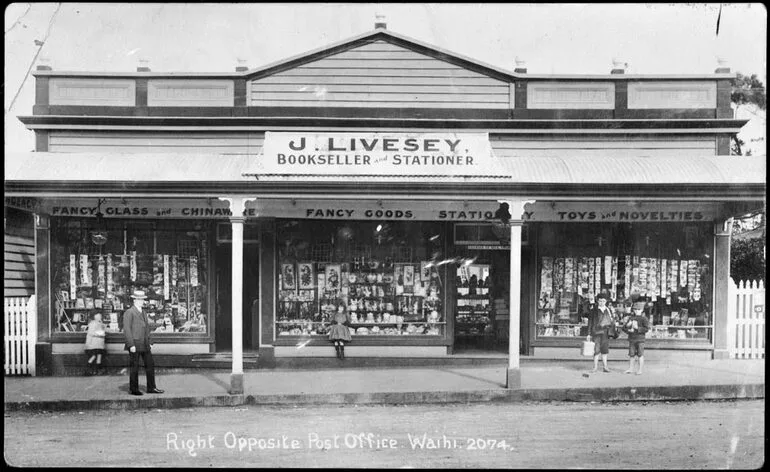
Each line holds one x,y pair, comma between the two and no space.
333,277
288,277
306,275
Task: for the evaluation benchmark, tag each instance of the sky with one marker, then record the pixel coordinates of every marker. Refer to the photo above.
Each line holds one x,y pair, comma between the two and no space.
551,38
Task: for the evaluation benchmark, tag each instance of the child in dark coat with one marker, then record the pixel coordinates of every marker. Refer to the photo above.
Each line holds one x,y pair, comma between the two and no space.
636,326
339,333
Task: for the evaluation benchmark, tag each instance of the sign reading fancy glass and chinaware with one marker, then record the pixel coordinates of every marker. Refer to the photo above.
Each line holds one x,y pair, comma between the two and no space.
440,154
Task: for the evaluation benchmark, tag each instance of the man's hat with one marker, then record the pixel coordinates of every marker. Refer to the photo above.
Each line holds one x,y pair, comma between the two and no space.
139,294
638,306
602,295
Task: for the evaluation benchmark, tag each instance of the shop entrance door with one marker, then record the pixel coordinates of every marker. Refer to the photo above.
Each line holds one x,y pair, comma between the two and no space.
482,295
249,302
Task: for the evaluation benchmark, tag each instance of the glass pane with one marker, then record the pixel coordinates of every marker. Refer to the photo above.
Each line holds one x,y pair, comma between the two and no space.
383,275
668,267
95,268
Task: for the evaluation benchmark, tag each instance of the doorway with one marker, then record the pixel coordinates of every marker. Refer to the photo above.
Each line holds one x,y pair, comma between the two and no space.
249,302
482,297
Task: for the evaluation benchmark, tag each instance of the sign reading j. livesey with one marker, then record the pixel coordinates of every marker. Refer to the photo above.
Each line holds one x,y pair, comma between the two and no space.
444,154
471,211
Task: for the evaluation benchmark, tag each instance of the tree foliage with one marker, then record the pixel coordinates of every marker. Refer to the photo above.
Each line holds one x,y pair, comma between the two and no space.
747,261
747,256
746,90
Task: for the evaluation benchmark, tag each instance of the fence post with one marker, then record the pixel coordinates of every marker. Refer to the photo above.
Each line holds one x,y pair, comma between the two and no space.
7,334
747,320
20,335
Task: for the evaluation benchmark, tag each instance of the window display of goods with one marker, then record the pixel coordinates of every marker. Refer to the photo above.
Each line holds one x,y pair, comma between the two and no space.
666,284
100,279
367,294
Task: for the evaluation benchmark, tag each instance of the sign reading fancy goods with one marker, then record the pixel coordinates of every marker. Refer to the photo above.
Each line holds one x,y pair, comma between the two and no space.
444,154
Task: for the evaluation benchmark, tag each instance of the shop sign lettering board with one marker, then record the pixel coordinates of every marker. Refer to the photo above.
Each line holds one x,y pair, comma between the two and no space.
391,154
23,203
477,211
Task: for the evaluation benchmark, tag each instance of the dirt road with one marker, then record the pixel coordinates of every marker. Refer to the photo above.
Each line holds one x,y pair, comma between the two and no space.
535,435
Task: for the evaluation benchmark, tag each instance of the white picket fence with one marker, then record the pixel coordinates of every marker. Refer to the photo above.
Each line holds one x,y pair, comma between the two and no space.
20,335
746,320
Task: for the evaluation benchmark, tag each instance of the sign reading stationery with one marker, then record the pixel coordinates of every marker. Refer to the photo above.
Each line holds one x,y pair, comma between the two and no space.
439,154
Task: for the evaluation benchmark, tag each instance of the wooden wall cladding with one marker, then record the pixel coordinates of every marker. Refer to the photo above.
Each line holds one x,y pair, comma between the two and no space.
383,75
565,96
19,267
92,92
623,145
186,93
672,94
156,142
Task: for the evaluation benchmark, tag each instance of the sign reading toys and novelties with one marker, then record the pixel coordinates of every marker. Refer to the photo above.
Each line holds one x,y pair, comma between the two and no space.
439,154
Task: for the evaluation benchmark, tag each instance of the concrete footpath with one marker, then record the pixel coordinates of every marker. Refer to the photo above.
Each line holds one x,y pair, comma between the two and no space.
540,381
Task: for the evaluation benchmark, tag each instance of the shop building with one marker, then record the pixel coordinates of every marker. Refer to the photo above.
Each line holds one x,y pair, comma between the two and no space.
374,174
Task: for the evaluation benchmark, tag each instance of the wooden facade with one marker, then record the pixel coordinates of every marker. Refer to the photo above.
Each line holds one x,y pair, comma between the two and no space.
377,82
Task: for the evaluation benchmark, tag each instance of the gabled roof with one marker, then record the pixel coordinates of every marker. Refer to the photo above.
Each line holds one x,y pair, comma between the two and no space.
391,37
381,34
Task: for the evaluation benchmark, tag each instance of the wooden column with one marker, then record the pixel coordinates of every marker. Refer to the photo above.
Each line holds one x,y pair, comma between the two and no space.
721,287
237,205
267,295
513,375
43,276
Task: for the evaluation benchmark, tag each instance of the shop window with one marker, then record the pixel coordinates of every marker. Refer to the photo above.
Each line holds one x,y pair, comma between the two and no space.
384,274
668,266
95,266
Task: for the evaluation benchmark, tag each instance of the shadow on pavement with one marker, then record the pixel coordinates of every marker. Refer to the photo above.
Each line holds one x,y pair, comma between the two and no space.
482,379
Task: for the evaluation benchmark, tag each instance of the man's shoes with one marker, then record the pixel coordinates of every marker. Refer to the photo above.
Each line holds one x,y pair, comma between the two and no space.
629,371
155,390
606,369
136,393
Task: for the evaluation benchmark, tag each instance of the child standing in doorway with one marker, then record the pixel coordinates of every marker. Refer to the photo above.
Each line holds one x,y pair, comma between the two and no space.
339,333
95,337
636,326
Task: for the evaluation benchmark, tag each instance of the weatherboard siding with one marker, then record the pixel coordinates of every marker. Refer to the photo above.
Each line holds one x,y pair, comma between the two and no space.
155,142
19,266
383,75
637,146
503,145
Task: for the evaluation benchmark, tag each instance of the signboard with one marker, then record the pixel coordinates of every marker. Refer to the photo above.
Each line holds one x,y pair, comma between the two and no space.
23,203
406,210
391,154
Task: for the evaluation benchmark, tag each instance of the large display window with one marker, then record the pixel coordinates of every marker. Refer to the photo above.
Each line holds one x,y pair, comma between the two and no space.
96,265
384,274
668,266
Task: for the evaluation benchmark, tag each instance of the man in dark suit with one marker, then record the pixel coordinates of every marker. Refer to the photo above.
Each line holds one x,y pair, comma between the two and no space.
137,331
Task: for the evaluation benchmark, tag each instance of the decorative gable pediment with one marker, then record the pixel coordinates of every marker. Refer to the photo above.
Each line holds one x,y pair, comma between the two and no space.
379,73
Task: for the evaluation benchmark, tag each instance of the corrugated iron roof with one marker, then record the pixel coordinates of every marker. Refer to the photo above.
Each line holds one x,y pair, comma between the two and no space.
172,167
